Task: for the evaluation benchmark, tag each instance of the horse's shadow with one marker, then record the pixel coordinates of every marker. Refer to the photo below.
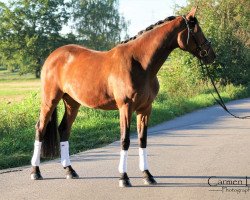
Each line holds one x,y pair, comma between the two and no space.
166,181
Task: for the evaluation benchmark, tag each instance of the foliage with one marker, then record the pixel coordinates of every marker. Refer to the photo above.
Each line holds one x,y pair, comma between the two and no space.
183,74
226,23
29,31
98,23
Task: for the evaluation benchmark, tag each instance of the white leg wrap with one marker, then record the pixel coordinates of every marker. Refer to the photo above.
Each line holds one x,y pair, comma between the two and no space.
143,160
65,154
35,161
123,161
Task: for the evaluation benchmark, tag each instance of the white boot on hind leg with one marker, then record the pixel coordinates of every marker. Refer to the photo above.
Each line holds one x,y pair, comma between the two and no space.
65,161
64,146
35,162
143,165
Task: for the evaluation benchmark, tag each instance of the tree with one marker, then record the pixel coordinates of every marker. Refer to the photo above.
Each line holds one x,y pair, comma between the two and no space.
29,31
226,23
98,23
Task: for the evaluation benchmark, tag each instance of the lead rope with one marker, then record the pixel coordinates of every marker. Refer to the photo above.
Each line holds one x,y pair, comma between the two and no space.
220,101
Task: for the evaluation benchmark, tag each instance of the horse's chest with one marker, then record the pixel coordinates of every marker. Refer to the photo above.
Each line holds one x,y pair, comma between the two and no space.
143,98
146,94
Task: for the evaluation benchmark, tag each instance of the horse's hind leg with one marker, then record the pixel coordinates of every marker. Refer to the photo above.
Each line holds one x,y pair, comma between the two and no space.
142,123
46,131
71,110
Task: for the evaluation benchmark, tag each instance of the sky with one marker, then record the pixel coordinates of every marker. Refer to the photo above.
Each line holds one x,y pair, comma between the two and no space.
142,13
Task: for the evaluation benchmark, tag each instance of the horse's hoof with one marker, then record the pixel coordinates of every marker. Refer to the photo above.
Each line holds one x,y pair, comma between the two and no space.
124,181
36,176
148,179
71,173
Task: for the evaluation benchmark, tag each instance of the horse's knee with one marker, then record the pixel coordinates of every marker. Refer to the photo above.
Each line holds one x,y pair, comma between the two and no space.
142,137
143,142
125,143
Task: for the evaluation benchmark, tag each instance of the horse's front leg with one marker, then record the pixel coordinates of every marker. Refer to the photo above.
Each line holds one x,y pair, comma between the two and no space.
142,124
125,120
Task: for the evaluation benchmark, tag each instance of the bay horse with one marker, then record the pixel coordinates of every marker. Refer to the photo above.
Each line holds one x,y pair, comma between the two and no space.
123,78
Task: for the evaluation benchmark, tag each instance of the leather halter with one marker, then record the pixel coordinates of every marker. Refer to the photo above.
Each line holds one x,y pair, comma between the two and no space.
200,48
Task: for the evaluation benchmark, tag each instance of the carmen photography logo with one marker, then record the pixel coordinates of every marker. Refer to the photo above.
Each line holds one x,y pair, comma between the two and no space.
229,184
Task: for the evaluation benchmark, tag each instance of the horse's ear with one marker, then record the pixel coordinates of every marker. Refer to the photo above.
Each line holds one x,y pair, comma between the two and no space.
191,14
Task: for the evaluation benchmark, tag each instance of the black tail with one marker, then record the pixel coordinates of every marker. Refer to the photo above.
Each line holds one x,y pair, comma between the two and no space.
50,144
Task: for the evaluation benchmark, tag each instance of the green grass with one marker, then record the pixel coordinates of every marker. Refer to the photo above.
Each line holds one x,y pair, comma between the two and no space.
92,128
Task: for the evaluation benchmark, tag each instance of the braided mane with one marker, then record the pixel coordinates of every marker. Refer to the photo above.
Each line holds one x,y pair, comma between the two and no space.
149,28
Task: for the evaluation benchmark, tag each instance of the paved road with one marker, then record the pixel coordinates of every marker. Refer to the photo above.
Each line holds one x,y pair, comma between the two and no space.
183,154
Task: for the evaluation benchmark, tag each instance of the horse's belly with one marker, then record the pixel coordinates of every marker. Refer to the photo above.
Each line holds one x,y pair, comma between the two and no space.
110,105
91,98
104,104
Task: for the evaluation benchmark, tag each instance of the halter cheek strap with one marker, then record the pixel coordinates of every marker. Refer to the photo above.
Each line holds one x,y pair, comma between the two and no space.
201,51
187,27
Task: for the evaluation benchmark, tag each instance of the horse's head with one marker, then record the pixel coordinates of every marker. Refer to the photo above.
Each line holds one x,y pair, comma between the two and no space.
192,39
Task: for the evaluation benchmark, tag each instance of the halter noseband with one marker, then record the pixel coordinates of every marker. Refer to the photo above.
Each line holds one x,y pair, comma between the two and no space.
199,47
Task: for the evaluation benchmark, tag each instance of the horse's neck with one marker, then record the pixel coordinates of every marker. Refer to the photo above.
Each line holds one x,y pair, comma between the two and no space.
153,47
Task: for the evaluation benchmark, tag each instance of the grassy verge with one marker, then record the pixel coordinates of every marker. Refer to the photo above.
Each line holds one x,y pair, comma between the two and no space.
14,87
93,128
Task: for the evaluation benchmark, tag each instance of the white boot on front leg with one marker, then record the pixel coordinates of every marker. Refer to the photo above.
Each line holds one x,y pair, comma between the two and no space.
123,161
143,159
124,180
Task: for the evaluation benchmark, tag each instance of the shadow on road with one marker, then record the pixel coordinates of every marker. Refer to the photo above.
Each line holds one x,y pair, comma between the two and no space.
168,181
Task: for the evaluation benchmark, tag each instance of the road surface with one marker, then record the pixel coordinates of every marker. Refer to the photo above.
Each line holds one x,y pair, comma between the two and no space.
183,155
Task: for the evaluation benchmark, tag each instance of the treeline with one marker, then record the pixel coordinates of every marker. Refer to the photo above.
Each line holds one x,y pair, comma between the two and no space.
31,29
